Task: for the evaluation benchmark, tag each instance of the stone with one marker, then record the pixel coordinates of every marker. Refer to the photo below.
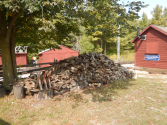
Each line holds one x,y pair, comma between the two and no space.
63,91
91,86
73,83
74,88
58,85
74,70
100,85
55,92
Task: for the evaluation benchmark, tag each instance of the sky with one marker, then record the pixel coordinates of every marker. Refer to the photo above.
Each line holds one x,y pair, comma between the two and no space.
152,5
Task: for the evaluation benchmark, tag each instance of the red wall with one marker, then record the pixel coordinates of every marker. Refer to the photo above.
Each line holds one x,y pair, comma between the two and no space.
58,54
140,49
21,59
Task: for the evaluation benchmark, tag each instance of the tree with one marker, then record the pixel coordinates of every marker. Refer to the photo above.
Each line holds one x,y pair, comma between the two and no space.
131,33
41,22
165,16
165,12
20,15
105,18
157,15
144,22
86,44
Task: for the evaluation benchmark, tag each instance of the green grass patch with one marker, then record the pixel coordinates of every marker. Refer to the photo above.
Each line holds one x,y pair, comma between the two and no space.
126,56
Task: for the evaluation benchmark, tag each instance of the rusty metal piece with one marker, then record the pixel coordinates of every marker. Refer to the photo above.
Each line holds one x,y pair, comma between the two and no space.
48,79
43,78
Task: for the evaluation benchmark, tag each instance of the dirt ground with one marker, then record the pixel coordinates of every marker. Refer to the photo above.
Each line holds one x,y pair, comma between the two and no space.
142,101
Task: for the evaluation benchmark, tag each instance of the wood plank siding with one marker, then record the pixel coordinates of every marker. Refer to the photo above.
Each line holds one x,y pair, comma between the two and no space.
21,59
57,54
155,44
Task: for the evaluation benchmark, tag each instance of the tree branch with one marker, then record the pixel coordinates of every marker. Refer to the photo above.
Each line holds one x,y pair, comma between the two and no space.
11,23
29,16
3,24
26,17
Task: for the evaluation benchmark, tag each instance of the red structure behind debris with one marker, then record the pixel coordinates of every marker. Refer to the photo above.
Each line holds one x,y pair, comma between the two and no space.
57,54
151,52
21,59
21,56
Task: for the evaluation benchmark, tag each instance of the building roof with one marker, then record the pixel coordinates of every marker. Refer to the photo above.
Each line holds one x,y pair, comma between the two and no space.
161,29
44,51
52,48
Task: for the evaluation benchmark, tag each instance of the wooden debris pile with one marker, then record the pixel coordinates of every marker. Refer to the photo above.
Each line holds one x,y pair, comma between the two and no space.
86,70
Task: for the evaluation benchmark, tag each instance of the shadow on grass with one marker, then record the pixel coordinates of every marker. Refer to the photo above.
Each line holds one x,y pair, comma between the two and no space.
108,91
2,122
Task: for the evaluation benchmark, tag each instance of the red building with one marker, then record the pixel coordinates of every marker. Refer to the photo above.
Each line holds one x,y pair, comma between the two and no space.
21,56
57,54
152,51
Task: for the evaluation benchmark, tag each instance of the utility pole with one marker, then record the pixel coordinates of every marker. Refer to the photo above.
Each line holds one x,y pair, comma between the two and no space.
118,45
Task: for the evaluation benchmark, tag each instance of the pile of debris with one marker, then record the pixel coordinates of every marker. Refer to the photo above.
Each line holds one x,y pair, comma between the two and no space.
86,70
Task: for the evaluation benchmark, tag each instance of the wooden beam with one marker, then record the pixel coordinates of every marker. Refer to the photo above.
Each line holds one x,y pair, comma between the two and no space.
29,71
31,65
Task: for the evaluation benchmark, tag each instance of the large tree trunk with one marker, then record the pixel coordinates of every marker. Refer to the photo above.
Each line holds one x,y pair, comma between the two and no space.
12,50
8,73
7,37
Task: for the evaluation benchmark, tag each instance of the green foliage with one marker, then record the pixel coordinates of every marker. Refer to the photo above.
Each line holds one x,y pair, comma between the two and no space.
104,20
44,24
86,44
157,12
144,22
159,16
165,12
49,26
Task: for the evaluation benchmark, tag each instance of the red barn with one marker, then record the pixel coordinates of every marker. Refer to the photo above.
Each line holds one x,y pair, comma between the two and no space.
57,54
21,55
151,52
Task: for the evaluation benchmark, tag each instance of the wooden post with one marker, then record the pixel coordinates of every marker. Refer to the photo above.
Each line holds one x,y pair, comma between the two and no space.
44,94
18,91
38,77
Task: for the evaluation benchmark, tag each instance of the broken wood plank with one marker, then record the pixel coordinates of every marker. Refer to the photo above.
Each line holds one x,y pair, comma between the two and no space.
35,90
38,77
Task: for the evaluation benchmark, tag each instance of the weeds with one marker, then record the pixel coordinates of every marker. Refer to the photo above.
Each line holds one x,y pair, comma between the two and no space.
126,56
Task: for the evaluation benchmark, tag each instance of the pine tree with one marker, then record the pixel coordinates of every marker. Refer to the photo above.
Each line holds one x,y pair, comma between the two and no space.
107,15
144,22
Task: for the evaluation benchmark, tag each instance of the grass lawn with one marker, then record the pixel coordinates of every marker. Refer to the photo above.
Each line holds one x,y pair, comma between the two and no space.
136,102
